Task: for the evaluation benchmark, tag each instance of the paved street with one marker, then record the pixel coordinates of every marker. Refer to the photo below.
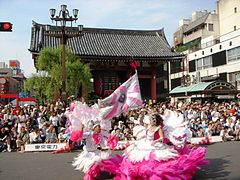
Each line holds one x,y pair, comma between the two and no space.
224,164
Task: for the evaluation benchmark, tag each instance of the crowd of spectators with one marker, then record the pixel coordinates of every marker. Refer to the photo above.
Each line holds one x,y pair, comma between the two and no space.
204,119
47,123
32,124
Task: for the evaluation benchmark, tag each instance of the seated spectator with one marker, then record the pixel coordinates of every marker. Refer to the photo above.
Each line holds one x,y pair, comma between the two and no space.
62,136
43,132
127,134
114,130
193,132
34,136
51,136
119,134
208,131
13,138
225,134
217,128
189,134
200,132
4,139
22,139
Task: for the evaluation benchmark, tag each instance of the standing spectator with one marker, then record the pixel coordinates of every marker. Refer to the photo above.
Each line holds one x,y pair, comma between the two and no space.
215,114
54,119
41,120
1,118
21,121
9,119
238,111
62,118
237,130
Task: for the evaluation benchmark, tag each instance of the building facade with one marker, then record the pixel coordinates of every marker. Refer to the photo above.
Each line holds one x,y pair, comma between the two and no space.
217,57
108,52
11,80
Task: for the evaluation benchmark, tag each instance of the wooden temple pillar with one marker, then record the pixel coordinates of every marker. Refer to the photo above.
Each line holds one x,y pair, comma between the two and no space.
97,83
153,84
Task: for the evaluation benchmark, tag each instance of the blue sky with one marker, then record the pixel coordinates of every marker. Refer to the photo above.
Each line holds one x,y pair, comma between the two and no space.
122,14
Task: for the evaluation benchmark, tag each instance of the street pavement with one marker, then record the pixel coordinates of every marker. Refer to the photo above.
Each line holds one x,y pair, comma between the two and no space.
224,165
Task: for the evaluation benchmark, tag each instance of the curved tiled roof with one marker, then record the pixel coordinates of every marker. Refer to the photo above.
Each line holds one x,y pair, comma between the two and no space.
107,42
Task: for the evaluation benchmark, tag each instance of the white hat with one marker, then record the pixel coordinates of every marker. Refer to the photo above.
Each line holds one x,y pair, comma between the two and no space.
96,124
136,122
131,119
62,128
120,122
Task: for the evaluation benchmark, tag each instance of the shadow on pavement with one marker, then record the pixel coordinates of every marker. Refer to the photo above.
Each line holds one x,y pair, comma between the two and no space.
216,169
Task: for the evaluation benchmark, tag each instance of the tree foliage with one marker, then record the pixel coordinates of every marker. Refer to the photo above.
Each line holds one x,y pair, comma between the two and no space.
39,86
49,61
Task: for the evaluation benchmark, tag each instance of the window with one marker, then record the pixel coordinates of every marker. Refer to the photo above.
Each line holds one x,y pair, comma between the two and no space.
230,43
207,62
210,27
199,65
235,28
202,52
211,50
204,63
109,81
235,10
233,54
220,46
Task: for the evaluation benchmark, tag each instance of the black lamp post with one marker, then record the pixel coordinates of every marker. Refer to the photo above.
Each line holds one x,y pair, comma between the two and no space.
64,35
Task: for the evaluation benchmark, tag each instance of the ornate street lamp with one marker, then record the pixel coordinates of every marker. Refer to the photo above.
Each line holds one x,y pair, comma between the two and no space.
64,35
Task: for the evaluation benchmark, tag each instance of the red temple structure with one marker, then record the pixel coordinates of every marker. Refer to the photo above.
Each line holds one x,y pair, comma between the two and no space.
109,53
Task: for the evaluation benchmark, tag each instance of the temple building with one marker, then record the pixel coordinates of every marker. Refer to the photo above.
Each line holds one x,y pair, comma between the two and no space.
109,52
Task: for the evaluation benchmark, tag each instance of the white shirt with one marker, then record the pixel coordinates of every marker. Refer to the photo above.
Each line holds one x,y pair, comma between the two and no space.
54,120
41,122
33,136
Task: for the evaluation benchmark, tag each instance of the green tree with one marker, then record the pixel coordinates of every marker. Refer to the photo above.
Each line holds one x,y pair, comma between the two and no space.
78,76
38,85
78,73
